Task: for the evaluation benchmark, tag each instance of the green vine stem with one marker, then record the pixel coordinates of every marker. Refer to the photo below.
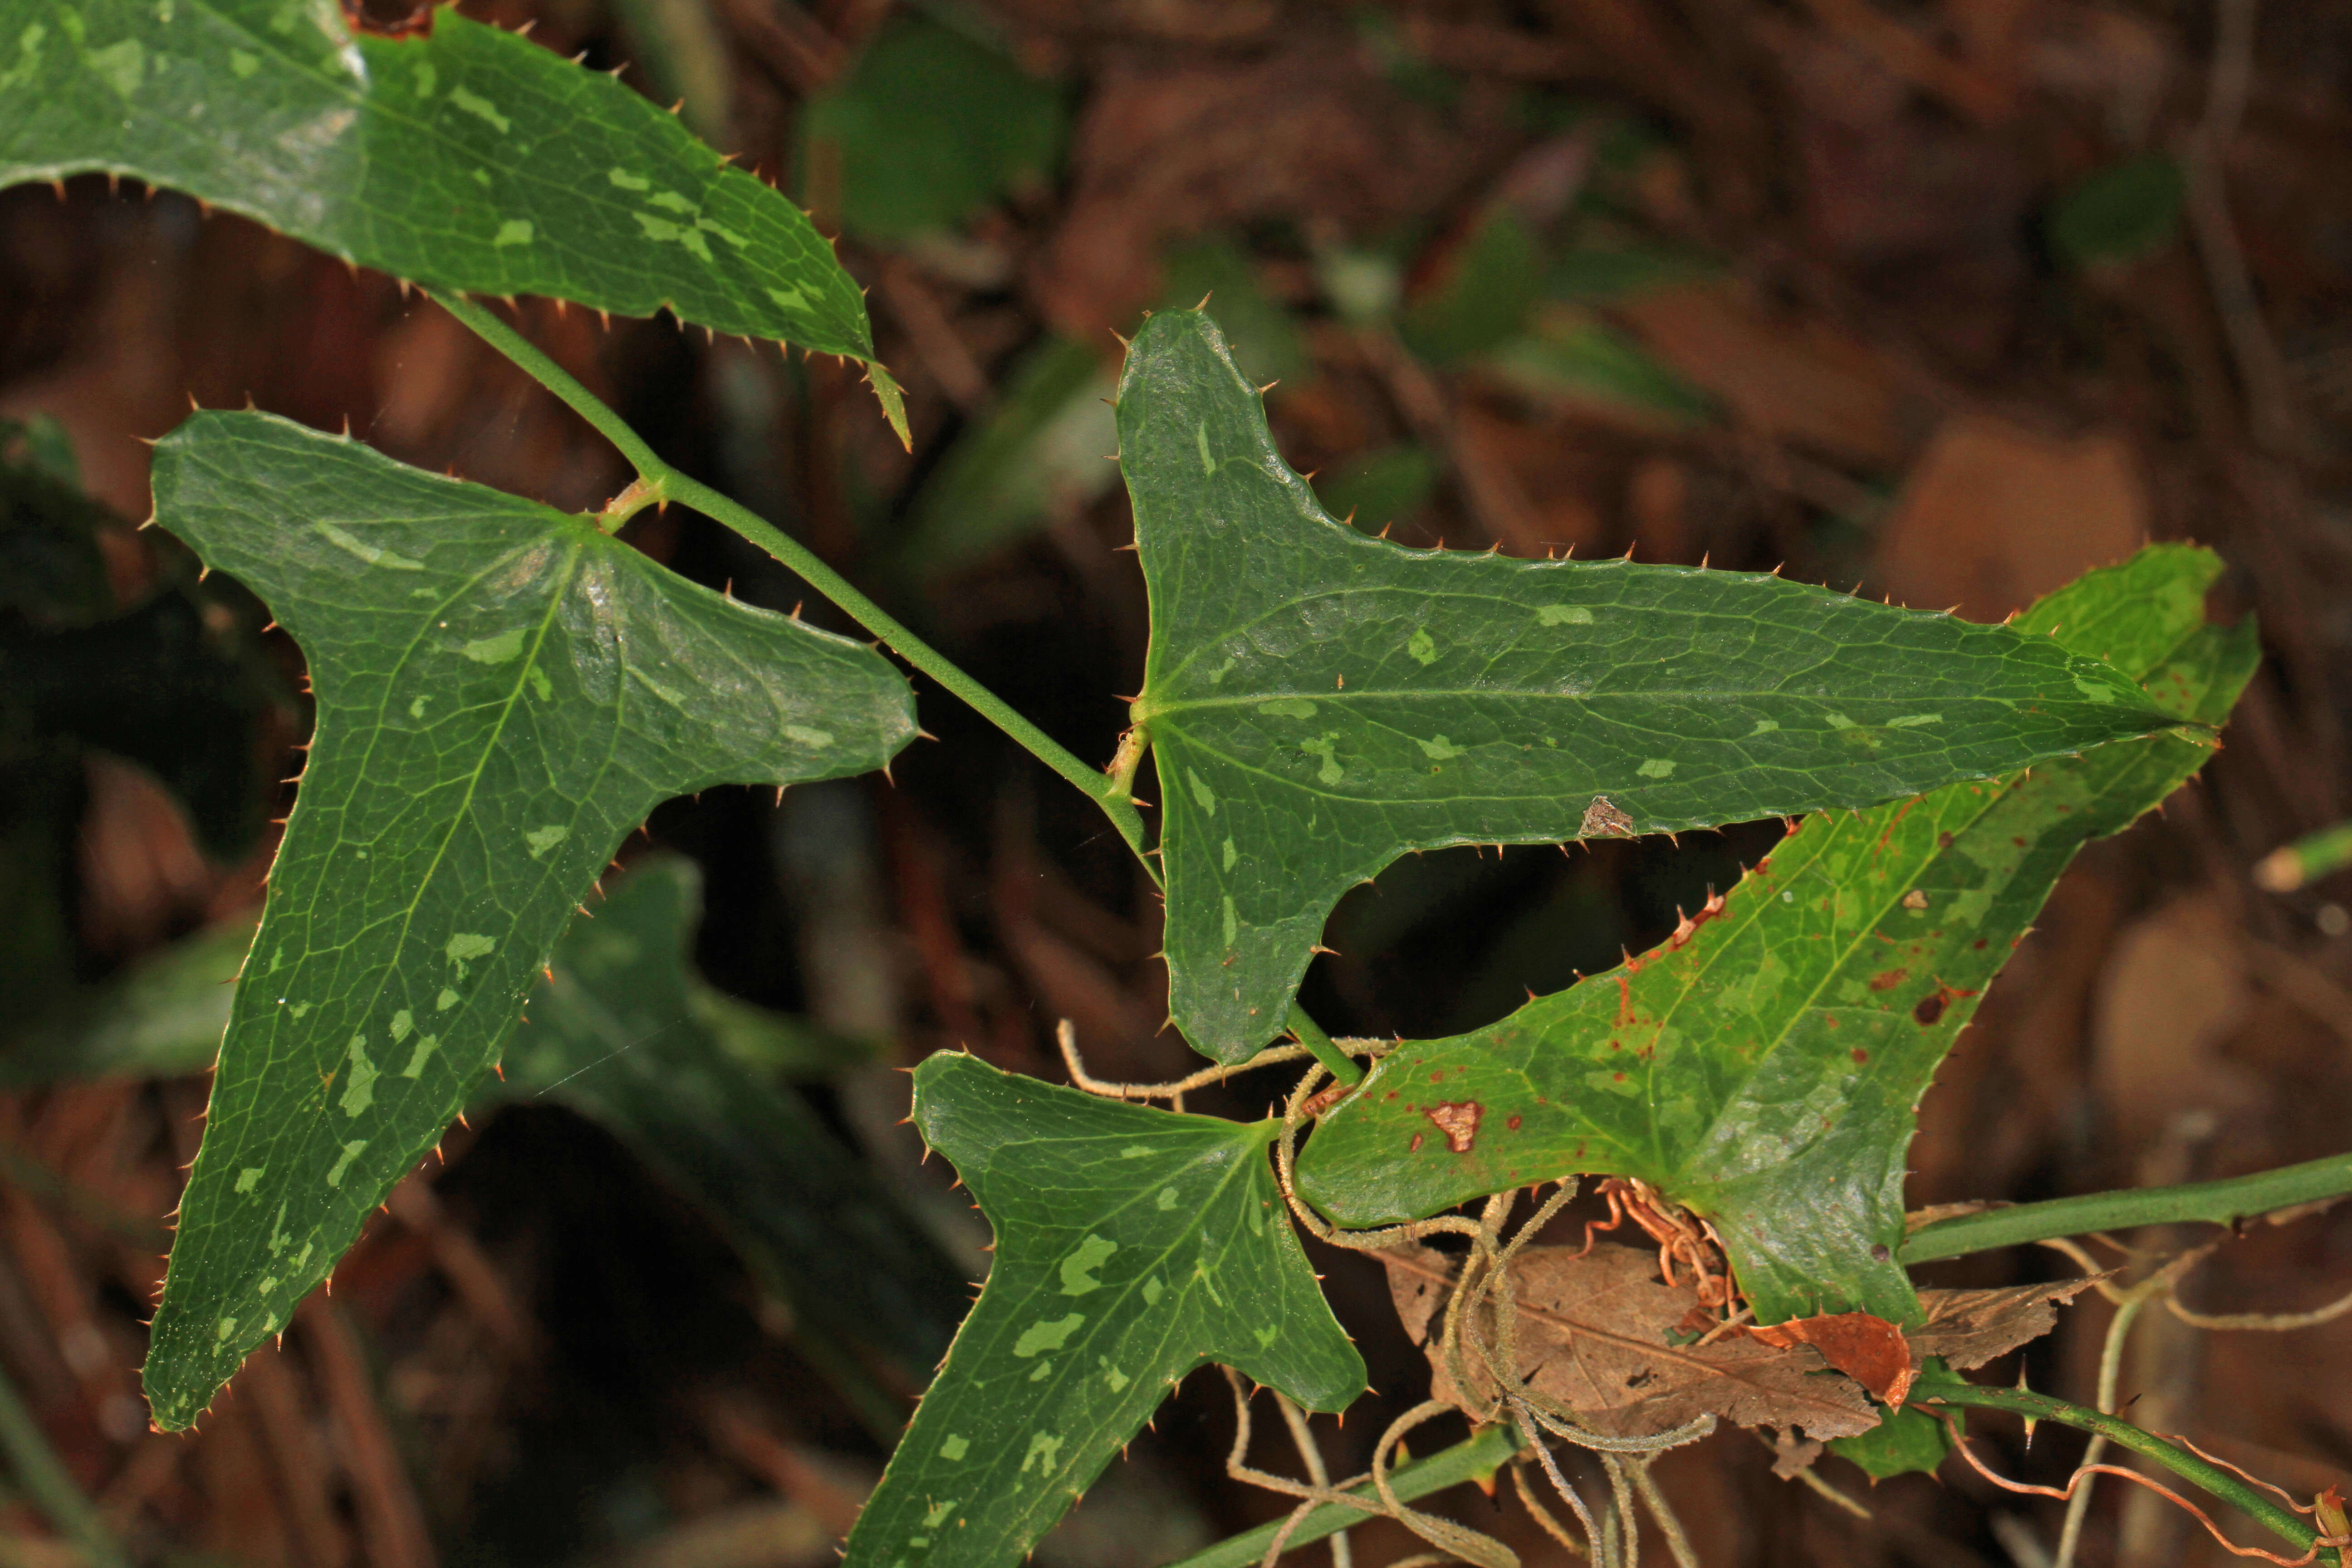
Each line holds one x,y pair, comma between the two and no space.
1336,1061
2214,1203
658,484
2230,1488
44,1478
1475,1459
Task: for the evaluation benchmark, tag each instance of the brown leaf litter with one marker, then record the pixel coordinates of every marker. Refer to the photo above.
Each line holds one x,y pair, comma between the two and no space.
1593,1337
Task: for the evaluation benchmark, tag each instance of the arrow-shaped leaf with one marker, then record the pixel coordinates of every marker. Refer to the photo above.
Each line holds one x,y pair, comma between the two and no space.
465,157
503,693
1320,703
1132,1245
1764,1067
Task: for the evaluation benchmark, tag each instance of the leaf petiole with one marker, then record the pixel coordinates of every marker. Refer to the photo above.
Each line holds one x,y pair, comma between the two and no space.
1336,1061
640,494
657,481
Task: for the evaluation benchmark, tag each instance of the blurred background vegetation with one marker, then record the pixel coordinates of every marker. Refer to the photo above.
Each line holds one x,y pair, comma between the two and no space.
1938,300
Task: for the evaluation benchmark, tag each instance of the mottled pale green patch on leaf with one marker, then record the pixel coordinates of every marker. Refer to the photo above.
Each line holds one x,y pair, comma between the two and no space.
1765,1066
1687,698
409,893
1103,1293
469,159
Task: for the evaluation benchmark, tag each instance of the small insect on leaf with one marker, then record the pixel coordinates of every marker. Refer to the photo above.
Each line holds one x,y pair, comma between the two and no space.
1603,820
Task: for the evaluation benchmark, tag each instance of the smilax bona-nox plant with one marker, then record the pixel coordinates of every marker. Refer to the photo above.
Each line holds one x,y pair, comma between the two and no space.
504,691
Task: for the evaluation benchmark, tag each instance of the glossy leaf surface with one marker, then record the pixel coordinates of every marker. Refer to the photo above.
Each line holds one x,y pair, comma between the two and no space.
616,1031
1132,1245
469,158
503,693
1764,1067
1320,703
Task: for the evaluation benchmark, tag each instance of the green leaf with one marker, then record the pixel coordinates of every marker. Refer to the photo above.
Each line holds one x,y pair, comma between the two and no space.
1132,1245
616,1031
1764,1066
1569,358
1258,328
2122,213
1042,449
1908,1439
929,127
1319,702
503,692
162,1018
468,159
1489,283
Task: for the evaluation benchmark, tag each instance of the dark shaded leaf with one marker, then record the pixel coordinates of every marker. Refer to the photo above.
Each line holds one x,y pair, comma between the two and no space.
618,1033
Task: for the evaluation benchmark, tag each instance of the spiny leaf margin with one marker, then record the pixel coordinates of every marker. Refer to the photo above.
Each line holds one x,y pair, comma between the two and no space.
465,158
1175,1219
503,692
1765,1067
1319,702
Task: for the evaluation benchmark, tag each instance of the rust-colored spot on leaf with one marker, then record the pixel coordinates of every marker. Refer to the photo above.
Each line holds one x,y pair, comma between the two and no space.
1931,1007
1413,1147
1889,980
1513,1123
1860,1056
1458,1120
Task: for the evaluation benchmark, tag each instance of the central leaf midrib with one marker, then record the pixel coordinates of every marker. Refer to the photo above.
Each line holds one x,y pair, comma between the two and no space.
1344,699
376,732
1549,795
560,582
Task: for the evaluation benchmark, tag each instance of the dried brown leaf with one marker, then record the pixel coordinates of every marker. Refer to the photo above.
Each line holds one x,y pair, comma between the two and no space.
1994,515
1591,1336
1969,1328
1871,1350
